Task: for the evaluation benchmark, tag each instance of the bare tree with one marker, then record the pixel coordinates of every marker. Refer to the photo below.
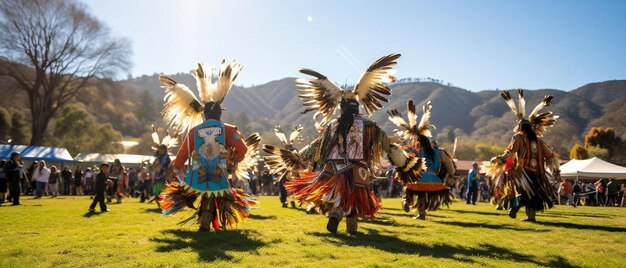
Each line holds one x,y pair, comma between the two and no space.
52,50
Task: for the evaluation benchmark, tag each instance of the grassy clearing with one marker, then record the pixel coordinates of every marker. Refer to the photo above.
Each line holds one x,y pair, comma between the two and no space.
60,233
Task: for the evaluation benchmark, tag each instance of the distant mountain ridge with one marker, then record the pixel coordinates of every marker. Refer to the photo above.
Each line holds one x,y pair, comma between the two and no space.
453,107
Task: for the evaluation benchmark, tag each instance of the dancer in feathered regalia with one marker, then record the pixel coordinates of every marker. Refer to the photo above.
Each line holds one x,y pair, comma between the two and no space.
430,190
350,147
284,174
162,159
528,164
213,148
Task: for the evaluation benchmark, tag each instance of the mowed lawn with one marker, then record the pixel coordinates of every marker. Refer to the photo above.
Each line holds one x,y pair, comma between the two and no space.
60,233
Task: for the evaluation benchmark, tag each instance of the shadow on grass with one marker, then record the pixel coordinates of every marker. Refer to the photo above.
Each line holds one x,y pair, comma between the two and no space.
210,246
582,226
489,226
260,217
90,214
479,212
152,210
562,214
395,245
387,221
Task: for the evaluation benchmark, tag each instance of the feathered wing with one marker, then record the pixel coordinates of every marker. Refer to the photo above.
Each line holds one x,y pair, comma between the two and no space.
171,140
320,95
424,126
182,109
372,89
545,102
225,80
281,160
295,134
253,143
280,135
205,86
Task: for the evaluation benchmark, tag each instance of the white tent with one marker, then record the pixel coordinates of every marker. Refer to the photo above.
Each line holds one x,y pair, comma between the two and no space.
126,159
592,168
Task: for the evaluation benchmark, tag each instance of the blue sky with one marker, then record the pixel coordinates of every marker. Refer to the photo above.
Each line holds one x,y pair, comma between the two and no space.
473,44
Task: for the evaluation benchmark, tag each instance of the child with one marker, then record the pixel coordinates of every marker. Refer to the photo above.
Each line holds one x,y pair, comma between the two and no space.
101,185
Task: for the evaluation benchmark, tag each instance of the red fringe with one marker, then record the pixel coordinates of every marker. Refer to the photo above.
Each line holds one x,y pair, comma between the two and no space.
324,191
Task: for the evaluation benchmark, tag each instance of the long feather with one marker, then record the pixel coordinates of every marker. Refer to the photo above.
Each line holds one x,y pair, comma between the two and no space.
411,113
226,78
278,131
546,102
182,109
155,136
522,103
203,83
507,98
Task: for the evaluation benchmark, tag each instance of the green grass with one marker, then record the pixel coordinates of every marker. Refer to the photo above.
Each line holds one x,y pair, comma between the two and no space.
59,233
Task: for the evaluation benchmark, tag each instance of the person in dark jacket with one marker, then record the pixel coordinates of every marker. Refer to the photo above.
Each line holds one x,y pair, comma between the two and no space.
100,188
12,169
66,175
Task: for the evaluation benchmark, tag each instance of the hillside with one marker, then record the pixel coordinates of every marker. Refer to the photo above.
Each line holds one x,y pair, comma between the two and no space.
132,105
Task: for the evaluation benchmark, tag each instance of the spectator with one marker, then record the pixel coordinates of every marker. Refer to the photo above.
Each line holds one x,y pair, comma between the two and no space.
41,176
132,181
472,182
12,170
30,188
146,182
3,183
577,190
612,192
88,177
78,181
600,191
101,185
565,192
66,175
53,182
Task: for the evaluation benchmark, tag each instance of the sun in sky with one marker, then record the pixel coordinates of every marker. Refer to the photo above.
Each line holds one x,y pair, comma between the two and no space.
309,18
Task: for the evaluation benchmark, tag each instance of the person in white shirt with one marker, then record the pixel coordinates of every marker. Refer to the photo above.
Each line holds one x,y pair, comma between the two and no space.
41,175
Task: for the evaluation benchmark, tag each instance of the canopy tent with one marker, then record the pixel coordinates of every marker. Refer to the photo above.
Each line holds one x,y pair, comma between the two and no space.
31,153
592,168
126,159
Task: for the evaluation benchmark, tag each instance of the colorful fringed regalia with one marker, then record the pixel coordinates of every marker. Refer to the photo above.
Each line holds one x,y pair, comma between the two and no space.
350,147
214,149
430,189
525,169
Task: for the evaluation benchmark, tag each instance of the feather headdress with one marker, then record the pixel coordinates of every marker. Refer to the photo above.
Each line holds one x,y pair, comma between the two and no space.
323,96
539,121
170,140
183,110
412,130
281,160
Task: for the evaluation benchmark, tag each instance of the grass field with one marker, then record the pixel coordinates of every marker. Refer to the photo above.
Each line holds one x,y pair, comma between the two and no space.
60,233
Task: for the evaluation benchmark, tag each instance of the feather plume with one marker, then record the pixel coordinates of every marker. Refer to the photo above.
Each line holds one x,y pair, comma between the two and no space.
295,134
280,135
521,103
509,101
545,102
411,113
227,75
203,82
155,136
424,126
371,88
182,109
